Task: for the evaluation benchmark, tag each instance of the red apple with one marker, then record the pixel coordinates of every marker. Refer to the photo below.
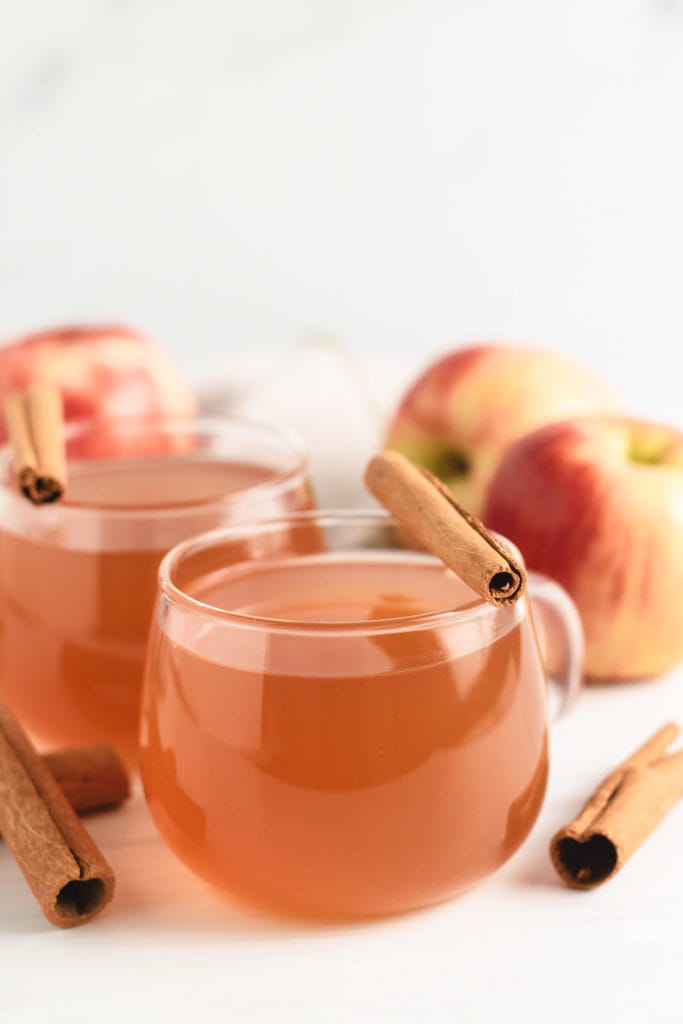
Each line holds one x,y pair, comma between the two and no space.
598,505
103,372
465,410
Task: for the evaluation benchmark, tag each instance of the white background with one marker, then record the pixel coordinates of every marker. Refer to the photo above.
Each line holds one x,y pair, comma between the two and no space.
402,175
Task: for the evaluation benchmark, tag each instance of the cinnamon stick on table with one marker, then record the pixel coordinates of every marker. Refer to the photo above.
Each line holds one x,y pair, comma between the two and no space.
91,778
68,875
35,426
625,808
434,518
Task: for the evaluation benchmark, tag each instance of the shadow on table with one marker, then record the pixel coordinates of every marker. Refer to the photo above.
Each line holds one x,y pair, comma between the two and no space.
531,866
156,897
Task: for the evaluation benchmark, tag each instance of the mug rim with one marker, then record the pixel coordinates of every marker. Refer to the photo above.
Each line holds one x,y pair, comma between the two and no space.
213,425
481,610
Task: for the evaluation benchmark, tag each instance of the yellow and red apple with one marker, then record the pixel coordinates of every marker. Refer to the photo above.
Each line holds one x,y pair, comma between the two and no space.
103,372
597,504
468,407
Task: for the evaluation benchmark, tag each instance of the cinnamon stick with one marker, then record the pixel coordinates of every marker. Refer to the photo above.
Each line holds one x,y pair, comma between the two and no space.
618,817
91,778
434,518
35,426
66,871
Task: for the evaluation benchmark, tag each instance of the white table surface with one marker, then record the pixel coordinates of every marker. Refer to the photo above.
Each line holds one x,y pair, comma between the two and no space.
519,947
170,948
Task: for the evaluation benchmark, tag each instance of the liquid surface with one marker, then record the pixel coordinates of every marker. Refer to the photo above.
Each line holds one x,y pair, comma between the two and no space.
334,589
162,482
75,607
344,774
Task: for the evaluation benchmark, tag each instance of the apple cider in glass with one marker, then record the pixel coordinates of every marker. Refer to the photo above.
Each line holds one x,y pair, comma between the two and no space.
335,725
78,578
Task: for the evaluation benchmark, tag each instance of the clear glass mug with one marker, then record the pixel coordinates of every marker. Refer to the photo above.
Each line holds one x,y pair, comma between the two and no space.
335,725
78,577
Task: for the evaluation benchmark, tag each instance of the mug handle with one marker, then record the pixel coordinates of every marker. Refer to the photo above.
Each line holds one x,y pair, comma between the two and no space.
560,636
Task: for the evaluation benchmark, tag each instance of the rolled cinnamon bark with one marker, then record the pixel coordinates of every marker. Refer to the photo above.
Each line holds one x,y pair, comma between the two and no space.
66,871
627,805
91,778
35,426
430,513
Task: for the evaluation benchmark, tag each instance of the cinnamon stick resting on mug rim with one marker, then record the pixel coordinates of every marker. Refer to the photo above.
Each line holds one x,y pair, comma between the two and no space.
621,813
68,875
35,427
434,518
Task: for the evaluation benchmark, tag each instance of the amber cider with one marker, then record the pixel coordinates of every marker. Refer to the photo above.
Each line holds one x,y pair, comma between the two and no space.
345,733
77,591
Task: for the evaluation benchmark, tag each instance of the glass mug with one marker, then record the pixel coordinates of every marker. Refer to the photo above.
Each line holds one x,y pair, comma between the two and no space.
335,725
78,577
